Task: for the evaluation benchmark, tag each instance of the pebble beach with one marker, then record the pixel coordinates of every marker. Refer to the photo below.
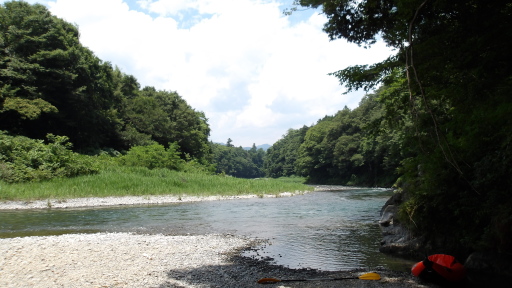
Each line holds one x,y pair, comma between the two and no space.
136,260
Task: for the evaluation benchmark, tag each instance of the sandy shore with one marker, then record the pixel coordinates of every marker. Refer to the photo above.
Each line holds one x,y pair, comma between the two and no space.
131,260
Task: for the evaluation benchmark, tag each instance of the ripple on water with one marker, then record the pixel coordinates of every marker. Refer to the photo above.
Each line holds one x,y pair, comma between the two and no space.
329,230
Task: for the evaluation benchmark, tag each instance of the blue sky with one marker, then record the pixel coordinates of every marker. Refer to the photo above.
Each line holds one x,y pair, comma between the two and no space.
252,70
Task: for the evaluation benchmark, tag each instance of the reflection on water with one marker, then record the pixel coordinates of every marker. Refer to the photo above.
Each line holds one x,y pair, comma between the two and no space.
330,230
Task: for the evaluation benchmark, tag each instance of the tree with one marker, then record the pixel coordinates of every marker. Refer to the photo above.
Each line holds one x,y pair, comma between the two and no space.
457,72
49,82
236,161
280,160
154,156
189,128
315,154
257,156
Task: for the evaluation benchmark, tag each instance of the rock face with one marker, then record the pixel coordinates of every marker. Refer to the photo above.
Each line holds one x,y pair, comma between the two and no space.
397,239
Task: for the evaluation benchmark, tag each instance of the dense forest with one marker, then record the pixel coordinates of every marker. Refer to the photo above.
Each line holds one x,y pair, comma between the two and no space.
52,85
446,100
435,123
349,148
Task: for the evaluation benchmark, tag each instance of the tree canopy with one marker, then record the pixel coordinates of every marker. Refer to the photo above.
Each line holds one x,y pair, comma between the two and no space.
453,63
237,161
50,83
353,147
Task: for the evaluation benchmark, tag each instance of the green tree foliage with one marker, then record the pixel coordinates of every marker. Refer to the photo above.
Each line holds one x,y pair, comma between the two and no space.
281,157
454,63
353,147
154,156
315,154
50,83
24,159
238,162
257,156
165,117
350,148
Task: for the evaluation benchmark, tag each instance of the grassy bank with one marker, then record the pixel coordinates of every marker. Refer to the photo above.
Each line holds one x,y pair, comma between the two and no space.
137,181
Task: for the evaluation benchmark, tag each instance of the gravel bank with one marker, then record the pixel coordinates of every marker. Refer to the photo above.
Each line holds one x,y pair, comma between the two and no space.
131,260
142,200
134,260
125,200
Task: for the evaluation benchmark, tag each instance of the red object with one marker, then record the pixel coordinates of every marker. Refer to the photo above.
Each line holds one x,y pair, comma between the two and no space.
439,267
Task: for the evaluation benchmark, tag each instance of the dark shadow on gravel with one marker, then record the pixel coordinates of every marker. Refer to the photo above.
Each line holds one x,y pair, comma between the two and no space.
244,271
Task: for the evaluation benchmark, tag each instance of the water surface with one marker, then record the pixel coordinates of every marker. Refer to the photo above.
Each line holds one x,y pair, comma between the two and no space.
326,230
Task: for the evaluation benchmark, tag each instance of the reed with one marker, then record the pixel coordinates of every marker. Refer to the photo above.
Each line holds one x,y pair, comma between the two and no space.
137,181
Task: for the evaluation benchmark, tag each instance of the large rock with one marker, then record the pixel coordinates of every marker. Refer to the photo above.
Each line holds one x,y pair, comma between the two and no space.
489,262
397,239
488,269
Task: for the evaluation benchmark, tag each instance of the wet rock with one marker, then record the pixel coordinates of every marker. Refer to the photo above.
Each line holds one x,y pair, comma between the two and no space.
395,200
397,239
388,216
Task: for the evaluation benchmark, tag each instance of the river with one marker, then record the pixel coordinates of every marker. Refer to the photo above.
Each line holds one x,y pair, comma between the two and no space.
328,230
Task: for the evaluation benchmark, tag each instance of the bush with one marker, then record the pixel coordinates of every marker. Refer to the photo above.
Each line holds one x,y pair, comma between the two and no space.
154,156
194,166
23,159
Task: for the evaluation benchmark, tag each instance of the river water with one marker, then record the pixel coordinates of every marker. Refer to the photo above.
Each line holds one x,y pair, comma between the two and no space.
327,230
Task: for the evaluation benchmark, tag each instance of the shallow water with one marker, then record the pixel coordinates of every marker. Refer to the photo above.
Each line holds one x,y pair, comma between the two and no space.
326,230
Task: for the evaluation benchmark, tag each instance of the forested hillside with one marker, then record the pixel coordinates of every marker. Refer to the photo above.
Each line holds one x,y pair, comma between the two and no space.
446,106
353,147
50,83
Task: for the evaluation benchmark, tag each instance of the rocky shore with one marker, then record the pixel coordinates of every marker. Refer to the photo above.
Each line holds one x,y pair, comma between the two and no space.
135,260
131,260
141,200
123,200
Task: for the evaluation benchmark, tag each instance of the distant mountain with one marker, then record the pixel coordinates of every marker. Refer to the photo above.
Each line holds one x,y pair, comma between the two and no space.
264,147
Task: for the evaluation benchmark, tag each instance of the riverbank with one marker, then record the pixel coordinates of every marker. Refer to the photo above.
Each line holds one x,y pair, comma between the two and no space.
135,260
94,202
131,260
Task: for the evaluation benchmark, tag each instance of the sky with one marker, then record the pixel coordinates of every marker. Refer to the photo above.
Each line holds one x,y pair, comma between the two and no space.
252,70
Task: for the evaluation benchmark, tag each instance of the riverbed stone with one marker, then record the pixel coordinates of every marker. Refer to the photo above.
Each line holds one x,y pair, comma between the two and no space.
92,260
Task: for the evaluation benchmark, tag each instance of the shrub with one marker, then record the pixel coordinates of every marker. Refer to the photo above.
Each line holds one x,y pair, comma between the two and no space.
154,156
23,159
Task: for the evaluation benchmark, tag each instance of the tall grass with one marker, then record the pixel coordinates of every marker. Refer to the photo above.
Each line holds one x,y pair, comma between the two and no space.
124,181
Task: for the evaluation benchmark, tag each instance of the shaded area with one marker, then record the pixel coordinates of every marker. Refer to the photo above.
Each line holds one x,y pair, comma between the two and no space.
245,272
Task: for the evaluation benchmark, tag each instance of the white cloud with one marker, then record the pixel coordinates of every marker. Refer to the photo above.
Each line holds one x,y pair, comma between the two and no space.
252,71
167,7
